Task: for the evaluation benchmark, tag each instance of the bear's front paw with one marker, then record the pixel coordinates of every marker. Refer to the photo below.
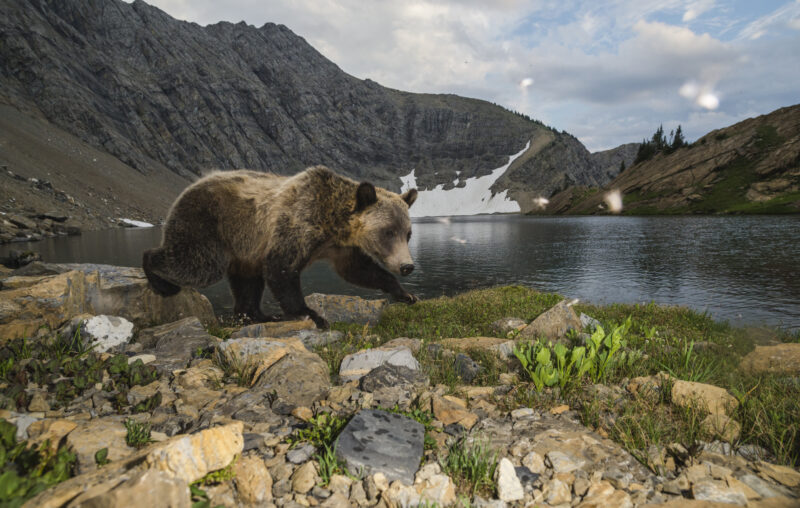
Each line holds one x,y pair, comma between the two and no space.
408,298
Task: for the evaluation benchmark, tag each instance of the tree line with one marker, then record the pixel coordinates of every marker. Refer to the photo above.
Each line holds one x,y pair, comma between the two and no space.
659,143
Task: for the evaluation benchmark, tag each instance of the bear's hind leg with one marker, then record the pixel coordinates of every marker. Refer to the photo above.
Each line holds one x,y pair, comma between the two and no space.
287,291
247,286
150,259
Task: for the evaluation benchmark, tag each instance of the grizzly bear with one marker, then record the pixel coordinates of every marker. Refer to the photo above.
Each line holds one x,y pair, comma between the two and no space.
259,228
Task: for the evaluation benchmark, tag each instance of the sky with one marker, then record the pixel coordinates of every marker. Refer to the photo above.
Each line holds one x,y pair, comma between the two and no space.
608,72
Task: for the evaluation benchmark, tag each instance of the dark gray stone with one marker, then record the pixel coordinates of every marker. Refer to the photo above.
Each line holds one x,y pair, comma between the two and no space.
526,476
389,376
376,441
467,368
301,454
176,344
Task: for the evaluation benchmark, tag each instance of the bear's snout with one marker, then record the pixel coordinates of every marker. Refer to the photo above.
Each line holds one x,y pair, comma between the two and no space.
406,269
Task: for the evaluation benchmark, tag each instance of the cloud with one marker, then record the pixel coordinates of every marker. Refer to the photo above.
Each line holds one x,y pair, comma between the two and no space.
696,9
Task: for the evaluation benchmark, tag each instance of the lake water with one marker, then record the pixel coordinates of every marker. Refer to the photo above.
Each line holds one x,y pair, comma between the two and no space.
745,270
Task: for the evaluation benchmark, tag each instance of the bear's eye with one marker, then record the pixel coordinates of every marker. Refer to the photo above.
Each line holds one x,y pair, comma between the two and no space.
389,233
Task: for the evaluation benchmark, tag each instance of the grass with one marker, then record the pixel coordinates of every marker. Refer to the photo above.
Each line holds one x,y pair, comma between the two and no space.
321,430
242,372
471,464
689,345
138,435
225,474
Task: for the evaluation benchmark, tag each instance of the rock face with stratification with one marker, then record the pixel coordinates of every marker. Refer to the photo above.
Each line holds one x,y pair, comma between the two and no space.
149,89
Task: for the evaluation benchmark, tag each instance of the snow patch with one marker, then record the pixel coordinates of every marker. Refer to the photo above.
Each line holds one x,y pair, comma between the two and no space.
472,199
135,223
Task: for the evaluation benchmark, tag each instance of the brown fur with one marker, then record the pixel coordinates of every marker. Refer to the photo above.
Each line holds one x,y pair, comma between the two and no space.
259,229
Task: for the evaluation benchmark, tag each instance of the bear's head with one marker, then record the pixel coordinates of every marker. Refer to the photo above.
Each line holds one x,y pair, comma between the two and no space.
381,226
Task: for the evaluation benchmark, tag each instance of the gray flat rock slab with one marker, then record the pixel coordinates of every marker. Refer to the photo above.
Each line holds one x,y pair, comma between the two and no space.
380,442
357,365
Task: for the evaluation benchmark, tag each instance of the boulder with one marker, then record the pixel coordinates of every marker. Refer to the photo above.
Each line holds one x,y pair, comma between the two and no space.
355,366
553,323
143,488
509,488
389,375
346,309
376,441
106,333
189,458
95,435
506,325
299,378
780,359
176,343
42,294
705,397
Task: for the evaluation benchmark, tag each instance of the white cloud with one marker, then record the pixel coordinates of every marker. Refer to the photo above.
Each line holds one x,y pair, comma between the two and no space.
696,9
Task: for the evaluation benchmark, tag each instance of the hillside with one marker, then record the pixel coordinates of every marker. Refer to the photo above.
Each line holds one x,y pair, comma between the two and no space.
157,92
750,167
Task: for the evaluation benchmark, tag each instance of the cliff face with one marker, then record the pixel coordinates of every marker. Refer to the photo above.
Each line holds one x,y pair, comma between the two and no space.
130,80
750,167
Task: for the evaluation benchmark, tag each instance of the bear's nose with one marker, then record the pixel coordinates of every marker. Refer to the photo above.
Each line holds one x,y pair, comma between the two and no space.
406,269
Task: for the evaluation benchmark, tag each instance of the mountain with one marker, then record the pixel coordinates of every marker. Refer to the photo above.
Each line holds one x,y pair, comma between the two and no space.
156,93
750,167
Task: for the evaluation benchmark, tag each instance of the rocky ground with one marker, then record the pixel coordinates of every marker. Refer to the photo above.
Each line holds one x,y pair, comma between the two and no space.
117,397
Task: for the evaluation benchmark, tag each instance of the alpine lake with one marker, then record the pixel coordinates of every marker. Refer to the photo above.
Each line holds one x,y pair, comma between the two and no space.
741,269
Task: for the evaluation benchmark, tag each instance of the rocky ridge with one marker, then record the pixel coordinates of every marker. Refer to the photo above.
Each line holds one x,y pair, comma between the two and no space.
750,167
159,93
242,439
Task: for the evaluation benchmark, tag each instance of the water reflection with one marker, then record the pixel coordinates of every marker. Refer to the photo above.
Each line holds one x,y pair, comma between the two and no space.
742,269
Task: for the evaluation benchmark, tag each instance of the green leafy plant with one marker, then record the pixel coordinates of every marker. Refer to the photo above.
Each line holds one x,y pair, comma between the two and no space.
101,457
24,472
138,434
536,361
472,465
322,430
219,476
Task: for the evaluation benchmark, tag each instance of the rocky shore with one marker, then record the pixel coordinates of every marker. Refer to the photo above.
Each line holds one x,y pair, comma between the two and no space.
123,398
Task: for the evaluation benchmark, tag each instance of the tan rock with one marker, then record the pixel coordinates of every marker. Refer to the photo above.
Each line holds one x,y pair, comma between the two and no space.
553,323
559,409
780,358
502,347
556,492
340,483
304,478
781,474
434,487
52,300
274,329
204,375
192,457
534,462
413,344
449,412
146,488
303,413
455,400
253,481
705,397
261,352
602,494
52,430
336,500
743,488
721,426
90,437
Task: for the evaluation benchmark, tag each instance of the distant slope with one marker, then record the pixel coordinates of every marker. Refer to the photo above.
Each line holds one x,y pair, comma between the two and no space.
750,167
154,91
74,179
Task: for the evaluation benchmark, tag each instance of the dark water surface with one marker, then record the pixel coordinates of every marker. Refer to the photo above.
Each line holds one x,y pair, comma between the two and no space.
741,269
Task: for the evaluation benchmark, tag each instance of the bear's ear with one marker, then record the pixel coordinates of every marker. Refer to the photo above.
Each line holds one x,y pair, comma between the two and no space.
365,196
409,197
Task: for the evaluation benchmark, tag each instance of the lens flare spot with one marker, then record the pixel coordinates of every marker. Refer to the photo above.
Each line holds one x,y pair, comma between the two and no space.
613,200
541,202
525,83
708,100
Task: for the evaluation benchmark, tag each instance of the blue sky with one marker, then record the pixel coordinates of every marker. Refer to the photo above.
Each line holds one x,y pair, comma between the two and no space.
608,72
